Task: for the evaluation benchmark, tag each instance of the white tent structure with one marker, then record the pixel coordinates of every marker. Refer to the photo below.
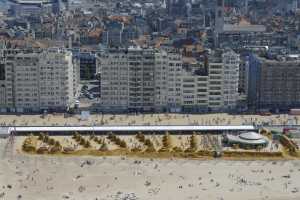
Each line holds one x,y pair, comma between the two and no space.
247,139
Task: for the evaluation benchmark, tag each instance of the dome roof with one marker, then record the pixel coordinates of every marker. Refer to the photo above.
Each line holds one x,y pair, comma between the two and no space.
250,136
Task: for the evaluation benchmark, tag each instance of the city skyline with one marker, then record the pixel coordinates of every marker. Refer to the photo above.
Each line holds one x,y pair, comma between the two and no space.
156,99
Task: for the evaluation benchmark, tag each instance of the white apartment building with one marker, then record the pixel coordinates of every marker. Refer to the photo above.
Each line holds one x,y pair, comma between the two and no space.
127,79
216,86
213,87
7,79
138,79
231,66
114,69
26,81
194,96
141,79
35,81
56,80
168,70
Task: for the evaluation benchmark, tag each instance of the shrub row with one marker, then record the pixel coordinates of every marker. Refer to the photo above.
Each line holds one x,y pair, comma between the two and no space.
29,144
251,154
147,142
121,143
287,143
81,141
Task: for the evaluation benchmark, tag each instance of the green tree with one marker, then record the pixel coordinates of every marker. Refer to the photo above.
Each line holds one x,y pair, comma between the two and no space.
87,144
103,147
51,141
123,144
166,140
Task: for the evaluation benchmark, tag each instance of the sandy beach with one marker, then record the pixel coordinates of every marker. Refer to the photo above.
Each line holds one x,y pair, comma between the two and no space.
33,177
147,119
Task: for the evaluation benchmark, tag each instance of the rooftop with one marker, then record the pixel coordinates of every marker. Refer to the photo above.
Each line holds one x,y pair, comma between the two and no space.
30,2
250,136
243,28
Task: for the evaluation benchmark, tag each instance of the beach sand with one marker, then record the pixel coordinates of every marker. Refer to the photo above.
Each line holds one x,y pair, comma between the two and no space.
147,119
35,177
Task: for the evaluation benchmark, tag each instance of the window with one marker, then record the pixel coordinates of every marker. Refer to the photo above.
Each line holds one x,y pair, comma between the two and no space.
220,2
2,72
220,13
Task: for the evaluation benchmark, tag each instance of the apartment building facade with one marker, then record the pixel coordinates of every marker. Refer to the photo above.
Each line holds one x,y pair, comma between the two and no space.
138,79
7,78
194,96
38,80
274,84
230,79
168,77
211,86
